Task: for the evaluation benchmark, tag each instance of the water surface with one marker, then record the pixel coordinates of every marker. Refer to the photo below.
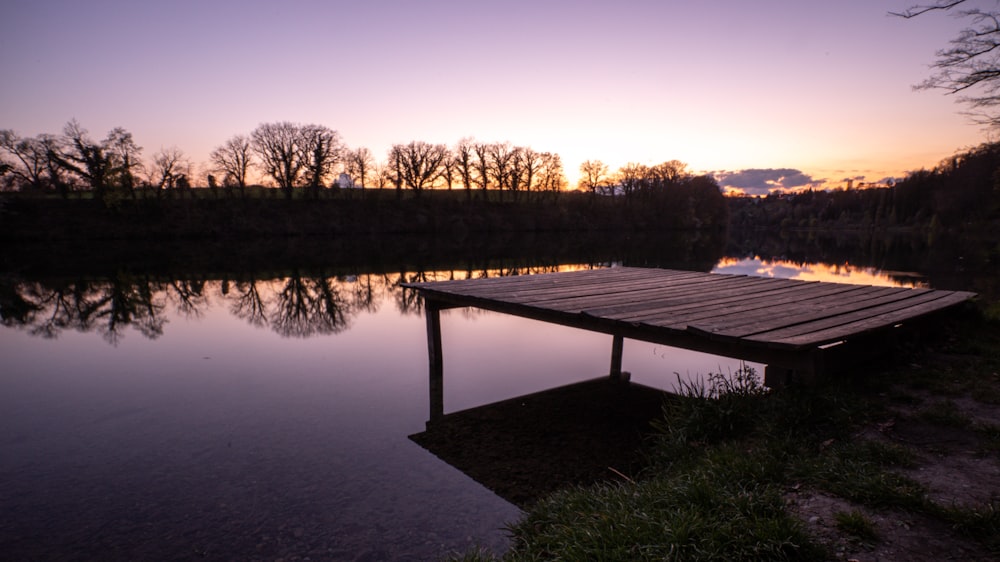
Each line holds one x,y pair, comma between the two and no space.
264,417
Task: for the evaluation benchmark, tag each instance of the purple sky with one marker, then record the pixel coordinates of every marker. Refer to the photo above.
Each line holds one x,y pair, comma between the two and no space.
807,91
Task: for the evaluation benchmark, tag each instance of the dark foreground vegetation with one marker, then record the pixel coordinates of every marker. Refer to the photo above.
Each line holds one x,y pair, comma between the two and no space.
850,469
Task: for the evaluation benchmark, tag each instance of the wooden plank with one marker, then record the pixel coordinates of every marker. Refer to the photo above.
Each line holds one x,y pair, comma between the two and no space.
736,289
542,295
556,277
551,286
683,302
841,327
800,312
733,308
615,296
703,294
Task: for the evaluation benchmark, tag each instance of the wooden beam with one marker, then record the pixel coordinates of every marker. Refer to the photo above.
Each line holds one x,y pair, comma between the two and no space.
432,312
617,344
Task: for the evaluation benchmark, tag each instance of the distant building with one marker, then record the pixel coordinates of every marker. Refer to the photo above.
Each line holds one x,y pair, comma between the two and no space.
345,181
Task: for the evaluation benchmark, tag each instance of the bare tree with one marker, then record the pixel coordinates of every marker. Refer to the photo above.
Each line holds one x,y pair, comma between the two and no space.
382,174
551,175
276,145
530,165
500,159
25,159
482,164
418,164
126,156
233,160
464,158
630,178
170,169
320,149
670,172
360,164
449,168
593,175
57,174
86,159
970,67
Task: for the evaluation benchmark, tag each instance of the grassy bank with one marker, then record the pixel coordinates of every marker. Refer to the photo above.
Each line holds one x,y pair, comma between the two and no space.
867,466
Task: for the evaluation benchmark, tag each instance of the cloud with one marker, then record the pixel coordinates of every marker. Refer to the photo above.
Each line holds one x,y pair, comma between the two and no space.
761,181
861,181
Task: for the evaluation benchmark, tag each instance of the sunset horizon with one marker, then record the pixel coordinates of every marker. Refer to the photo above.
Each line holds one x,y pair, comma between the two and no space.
767,97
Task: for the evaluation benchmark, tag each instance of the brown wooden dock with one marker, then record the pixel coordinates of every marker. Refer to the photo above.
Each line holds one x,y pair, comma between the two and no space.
781,322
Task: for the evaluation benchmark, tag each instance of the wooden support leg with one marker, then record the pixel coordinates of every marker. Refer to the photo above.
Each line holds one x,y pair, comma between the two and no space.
432,311
616,358
804,369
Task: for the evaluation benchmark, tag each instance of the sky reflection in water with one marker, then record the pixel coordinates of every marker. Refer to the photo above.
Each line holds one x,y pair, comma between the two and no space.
270,418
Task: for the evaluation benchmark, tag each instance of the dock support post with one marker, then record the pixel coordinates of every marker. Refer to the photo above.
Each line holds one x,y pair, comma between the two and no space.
616,358
432,311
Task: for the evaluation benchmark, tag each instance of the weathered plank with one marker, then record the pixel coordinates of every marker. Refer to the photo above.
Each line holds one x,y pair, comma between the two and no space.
612,296
551,289
733,289
803,311
860,322
734,309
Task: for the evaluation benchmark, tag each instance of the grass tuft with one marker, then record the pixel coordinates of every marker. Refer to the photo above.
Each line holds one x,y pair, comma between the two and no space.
979,523
708,412
857,524
689,516
946,413
859,471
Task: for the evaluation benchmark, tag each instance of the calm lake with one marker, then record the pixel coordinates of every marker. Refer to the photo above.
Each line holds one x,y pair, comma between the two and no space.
218,415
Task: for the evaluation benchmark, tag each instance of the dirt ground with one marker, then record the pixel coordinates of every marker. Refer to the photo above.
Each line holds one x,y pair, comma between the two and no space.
955,464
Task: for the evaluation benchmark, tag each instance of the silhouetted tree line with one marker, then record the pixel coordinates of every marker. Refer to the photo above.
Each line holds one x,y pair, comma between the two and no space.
692,201
289,156
964,189
119,196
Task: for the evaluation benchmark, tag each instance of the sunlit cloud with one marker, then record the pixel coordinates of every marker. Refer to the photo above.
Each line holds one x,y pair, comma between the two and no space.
761,181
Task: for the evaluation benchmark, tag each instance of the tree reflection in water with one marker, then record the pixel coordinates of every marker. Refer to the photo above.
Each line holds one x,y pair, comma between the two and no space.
309,306
247,303
299,305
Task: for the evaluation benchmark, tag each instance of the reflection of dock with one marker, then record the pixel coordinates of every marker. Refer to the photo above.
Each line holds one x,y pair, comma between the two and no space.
529,446
793,326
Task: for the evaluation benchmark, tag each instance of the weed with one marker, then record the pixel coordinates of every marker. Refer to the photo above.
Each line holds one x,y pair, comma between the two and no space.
858,471
945,413
856,524
724,408
981,524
